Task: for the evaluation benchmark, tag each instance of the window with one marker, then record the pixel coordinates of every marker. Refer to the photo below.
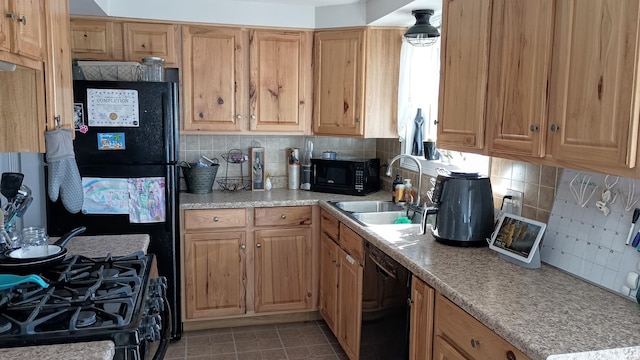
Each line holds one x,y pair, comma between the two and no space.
418,89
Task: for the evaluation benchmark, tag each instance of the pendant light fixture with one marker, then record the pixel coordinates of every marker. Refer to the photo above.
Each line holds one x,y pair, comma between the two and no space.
422,33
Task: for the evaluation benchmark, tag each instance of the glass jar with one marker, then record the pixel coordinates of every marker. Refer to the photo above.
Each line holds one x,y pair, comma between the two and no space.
152,68
34,236
14,235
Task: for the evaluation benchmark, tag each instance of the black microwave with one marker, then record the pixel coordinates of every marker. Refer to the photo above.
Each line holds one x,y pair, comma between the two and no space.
350,177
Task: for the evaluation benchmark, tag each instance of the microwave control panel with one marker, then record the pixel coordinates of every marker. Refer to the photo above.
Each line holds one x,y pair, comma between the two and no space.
359,177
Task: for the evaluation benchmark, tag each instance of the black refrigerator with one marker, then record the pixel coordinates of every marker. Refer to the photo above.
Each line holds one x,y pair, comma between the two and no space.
127,135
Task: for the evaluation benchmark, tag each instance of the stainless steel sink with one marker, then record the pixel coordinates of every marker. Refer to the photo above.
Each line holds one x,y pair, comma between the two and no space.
368,206
383,218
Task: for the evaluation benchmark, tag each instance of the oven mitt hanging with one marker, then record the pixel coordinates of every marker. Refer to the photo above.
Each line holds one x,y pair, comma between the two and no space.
64,178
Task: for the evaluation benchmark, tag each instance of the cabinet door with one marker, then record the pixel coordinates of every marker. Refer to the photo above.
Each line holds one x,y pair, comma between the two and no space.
464,68
214,89
442,350
215,278
28,27
329,281
421,320
521,35
280,80
283,269
143,39
339,84
59,79
96,40
5,24
593,97
349,305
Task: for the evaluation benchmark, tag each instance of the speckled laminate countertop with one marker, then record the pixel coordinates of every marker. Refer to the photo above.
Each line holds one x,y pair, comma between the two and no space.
90,246
545,312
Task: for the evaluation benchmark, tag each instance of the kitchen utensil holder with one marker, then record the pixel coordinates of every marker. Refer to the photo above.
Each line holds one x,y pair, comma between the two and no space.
234,156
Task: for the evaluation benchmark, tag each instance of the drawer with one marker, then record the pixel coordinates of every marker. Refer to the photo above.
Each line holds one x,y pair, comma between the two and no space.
214,219
352,243
283,215
330,225
467,334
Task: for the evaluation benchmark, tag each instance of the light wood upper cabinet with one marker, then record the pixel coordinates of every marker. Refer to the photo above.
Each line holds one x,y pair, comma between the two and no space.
59,78
356,82
282,269
145,39
421,320
5,24
519,70
213,78
463,73
26,27
594,106
280,80
96,39
215,264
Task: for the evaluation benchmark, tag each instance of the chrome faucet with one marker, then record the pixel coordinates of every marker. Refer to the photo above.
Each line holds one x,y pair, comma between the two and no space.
417,199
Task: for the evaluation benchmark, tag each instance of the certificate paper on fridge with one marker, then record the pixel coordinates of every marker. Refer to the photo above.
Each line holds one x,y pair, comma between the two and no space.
105,196
147,202
112,107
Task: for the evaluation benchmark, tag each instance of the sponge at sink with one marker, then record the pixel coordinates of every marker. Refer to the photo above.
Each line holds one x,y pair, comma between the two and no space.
403,220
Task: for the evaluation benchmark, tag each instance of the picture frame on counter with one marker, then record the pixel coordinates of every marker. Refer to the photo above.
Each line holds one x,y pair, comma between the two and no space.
257,169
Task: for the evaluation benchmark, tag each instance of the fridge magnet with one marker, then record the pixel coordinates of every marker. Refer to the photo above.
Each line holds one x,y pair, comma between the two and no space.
78,116
111,141
257,169
113,107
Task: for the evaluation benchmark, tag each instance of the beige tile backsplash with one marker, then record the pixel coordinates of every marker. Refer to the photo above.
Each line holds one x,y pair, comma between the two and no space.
213,146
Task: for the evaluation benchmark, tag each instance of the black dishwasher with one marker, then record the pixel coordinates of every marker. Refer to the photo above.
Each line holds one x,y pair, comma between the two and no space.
385,307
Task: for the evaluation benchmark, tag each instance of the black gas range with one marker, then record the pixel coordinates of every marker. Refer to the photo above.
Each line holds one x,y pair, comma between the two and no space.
91,299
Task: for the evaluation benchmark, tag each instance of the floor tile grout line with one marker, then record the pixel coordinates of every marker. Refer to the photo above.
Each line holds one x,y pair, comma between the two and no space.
281,343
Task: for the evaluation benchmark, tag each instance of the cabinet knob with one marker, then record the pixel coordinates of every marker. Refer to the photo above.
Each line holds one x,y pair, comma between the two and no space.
11,16
475,343
283,216
357,120
253,117
239,117
554,127
534,128
23,20
511,355
243,246
216,219
258,245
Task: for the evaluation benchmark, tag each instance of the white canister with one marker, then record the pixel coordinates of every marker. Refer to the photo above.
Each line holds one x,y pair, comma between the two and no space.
294,176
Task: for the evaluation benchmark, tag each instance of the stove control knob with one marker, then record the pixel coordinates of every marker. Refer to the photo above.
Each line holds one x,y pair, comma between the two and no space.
150,327
155,306
157,287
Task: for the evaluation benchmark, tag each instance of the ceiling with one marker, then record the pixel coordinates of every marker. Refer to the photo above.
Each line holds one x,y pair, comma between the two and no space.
378,12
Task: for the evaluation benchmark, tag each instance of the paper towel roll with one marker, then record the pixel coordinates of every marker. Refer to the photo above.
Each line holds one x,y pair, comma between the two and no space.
632,280
294,176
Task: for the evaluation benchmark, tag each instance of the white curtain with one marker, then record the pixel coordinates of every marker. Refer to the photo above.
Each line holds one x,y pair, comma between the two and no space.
418,88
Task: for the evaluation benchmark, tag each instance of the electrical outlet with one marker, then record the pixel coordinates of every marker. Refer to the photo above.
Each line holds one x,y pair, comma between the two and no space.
513,205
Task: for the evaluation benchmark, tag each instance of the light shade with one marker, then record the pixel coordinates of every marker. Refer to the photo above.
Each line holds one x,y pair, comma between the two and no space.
422,33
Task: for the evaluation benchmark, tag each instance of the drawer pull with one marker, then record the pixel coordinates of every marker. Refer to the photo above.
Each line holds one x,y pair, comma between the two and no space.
243,246
475,343
258,245
283,216
511,355
216,219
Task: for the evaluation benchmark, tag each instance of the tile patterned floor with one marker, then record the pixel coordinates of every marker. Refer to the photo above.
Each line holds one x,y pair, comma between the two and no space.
301,340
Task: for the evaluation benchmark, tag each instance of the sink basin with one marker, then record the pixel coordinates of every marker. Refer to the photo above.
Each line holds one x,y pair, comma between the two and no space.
368,206
383,218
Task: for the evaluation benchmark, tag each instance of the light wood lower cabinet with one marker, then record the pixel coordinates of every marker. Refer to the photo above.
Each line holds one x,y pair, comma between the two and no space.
239,263
421,320
459,336
216,282
341,284
282,269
